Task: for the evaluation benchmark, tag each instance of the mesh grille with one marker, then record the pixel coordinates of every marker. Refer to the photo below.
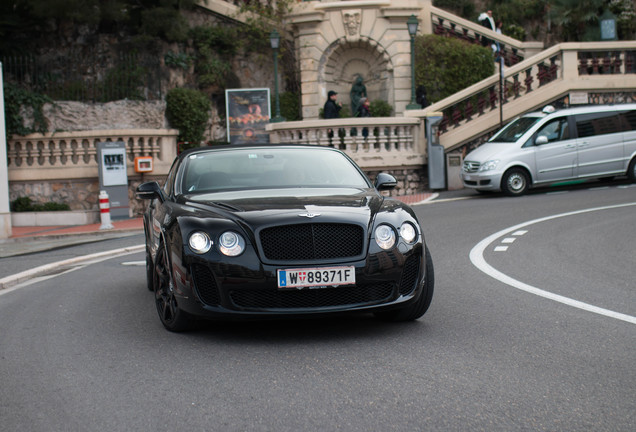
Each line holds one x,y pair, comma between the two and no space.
312,241
312,298
471,167
205,285
409,274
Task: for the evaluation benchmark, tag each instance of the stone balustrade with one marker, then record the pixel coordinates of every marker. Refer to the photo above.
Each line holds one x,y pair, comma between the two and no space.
372,142
73,155
444,23
529,85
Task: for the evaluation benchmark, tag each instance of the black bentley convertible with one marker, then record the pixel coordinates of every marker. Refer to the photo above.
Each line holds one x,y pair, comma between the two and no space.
280,231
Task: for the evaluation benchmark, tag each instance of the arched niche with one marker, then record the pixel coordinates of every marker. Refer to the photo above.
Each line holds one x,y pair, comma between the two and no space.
344,60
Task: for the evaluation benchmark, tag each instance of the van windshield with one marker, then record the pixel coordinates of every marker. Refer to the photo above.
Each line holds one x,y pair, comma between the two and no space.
514,130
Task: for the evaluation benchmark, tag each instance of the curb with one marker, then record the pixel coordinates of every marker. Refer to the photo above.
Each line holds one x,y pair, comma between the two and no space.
18,278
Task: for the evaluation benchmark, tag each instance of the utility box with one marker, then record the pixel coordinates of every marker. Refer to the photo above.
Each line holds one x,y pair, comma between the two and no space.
113,177
454,162
436,171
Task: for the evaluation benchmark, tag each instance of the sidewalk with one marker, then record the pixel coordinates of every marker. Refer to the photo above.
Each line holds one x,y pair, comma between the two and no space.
27,240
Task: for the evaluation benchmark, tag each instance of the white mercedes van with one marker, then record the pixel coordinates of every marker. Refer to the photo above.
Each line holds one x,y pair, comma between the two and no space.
555,145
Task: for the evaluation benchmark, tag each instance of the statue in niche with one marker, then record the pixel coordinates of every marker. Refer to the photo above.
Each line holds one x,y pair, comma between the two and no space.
358,90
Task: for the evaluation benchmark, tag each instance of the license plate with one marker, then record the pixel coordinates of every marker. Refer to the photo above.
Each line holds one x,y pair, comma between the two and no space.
316,277
467,177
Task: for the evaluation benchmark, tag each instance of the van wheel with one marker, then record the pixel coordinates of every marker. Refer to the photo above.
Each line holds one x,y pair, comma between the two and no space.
515,182
631,171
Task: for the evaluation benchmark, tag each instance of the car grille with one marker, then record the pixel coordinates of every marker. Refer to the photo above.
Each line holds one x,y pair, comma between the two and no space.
312,241
409,274
471,167
205,285
313,298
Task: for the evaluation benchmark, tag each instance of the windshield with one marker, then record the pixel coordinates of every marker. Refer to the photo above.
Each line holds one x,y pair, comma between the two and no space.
254,168
514,130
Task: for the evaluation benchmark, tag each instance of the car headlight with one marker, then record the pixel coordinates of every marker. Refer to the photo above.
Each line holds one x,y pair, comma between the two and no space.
385,236
200,242
231,243
408,232
490,165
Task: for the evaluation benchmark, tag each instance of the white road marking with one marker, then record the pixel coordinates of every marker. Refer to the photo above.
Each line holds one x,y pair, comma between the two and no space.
134,263
519,233
477,258
501,248
508,240
26,277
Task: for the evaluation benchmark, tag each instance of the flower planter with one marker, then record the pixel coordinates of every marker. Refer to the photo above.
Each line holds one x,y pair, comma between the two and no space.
55,218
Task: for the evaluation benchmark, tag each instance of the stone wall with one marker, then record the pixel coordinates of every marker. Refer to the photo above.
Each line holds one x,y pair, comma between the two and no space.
82,194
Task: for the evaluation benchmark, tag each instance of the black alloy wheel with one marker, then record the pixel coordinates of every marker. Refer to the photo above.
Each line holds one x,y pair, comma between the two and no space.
170,315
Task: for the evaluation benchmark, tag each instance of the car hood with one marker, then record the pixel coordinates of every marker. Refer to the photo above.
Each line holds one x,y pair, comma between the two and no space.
266,207
490,151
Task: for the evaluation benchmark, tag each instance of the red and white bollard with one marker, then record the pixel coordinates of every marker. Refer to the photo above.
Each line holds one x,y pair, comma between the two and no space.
104,211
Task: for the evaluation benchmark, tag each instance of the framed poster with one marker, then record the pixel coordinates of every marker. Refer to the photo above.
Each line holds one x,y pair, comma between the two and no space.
248,111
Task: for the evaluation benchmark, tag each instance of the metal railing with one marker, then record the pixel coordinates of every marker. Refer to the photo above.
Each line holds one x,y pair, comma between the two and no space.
87,78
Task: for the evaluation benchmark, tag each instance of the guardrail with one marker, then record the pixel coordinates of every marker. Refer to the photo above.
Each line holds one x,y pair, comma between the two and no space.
372,141
563,68
72,155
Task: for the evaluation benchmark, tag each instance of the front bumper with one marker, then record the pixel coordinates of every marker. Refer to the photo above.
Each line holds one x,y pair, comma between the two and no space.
215,290
490,181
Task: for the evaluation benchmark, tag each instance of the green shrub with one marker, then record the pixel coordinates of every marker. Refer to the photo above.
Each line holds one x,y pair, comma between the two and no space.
445,65
188,110
25,204
289,106
380,108
16,97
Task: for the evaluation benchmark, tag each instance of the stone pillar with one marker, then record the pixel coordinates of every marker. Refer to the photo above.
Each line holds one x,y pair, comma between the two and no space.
5,215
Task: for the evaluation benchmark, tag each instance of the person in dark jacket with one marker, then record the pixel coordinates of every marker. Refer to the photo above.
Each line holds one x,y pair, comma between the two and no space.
364,111
332,107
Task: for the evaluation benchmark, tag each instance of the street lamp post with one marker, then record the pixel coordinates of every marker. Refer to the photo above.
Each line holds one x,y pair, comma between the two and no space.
274,39
412,24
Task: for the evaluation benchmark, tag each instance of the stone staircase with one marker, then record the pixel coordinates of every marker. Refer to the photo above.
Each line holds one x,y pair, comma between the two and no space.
597,72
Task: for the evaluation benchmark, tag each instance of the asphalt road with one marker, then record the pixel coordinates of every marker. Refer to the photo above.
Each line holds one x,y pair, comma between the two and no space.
85,351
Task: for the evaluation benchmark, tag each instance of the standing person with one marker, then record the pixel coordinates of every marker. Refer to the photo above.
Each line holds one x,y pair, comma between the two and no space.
487,21
364,110
332,107
499,30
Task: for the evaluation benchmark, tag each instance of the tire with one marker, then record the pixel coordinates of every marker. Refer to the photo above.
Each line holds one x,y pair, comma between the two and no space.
515,182
414,310
631,171
172,318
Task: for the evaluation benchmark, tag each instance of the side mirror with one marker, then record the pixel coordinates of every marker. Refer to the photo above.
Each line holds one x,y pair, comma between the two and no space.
385,181
149,190
541,139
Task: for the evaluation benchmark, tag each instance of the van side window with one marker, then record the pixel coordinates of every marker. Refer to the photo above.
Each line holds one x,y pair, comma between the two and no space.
628,119
555,130
601,123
